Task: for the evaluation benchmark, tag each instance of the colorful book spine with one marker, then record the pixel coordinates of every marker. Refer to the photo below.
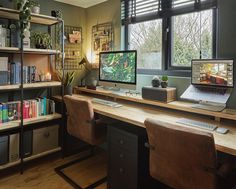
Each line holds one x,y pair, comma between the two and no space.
0,113
4,113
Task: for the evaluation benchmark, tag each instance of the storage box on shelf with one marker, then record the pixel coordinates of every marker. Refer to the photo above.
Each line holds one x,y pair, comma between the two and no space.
34,115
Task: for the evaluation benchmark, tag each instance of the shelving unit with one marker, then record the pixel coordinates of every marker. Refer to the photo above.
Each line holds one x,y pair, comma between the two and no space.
20,126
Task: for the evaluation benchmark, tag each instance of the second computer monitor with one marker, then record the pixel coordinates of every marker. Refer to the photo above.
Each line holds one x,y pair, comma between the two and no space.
117,69
215,73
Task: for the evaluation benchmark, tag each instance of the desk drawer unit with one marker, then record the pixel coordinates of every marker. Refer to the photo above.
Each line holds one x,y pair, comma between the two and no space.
128,158
45,139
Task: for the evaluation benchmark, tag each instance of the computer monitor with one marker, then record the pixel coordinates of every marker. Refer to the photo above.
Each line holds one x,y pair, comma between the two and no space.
117,69
214,73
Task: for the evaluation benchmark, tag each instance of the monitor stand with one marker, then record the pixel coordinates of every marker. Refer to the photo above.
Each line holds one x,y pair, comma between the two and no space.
211,106
109,88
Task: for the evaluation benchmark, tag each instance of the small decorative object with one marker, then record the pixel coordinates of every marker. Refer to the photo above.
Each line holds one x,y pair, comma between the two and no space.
164,81
56,13
48,77
42,77
68,80
35,6
42,40
156,81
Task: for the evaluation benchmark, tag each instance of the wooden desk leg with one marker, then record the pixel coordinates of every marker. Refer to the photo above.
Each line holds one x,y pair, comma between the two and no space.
218,119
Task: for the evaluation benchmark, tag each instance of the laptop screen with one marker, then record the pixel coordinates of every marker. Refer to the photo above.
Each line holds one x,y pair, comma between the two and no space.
213,73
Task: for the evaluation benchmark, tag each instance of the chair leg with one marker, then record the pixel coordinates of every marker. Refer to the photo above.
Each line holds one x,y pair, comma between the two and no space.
59,171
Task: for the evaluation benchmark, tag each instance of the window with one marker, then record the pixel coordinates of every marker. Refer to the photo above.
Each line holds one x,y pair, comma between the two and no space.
168,34
146,38
192,36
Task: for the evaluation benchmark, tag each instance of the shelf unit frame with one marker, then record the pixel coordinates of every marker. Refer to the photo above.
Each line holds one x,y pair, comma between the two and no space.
49,21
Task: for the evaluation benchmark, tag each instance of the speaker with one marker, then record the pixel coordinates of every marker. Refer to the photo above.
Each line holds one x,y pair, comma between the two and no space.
159,94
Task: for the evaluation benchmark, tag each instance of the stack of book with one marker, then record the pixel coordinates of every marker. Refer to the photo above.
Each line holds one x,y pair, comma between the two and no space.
10,73
11,111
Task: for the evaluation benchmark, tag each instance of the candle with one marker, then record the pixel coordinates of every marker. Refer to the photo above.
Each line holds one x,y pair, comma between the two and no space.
48,77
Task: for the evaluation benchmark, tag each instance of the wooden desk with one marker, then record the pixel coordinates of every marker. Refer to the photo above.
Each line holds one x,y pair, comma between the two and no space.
136,114
176,105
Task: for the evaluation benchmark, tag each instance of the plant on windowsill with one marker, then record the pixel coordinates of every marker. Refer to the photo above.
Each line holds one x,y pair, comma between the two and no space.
68,80
164,81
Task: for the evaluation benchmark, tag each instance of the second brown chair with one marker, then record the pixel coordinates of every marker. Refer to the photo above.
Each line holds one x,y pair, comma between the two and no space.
81,123
182,158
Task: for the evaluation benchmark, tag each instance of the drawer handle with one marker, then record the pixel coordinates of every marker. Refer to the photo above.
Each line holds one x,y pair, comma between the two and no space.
121,170
121,142
46,135
121,155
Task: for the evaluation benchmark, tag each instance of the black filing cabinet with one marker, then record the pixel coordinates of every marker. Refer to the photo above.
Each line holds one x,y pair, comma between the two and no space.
128,157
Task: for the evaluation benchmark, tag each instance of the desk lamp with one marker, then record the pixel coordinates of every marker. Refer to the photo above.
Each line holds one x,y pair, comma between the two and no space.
84,62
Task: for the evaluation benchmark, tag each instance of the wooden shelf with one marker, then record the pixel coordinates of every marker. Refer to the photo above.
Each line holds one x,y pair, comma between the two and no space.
42,154
29,50
16,124
176,105
31,85
10,164
35,18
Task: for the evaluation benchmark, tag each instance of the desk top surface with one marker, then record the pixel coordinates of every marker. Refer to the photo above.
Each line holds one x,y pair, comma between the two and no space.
175,105
135,113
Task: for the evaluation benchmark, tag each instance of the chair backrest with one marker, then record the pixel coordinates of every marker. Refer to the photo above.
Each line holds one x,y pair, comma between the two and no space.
80,119
182,158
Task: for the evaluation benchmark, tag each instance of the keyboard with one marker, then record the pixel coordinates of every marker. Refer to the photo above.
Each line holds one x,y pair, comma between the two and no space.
209,107
198,124
106,102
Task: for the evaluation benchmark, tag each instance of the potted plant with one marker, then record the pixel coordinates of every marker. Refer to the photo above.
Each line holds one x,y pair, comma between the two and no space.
67,83
35,6
164,81
41,40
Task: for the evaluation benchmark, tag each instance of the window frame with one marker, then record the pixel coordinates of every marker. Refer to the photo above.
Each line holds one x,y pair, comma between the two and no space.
167,67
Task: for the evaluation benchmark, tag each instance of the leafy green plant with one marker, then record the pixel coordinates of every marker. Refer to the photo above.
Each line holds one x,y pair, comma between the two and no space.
41,40
68,79
24,15
164,78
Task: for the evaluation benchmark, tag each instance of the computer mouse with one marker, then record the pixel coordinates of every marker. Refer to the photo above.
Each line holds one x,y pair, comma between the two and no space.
222,130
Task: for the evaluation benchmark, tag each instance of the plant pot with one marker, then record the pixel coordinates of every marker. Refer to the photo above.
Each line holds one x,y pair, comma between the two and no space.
38,46
164,84
68,90
35,9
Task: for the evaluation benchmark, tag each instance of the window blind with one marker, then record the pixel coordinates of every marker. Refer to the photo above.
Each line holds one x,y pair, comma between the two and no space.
133,11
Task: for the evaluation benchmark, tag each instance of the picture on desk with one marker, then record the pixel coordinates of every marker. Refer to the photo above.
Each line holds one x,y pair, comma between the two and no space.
216,74
119,67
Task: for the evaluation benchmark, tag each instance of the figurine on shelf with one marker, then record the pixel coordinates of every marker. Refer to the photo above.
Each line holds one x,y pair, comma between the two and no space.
156,82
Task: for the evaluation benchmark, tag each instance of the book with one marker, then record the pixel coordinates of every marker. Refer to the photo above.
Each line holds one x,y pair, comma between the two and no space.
0,113
4,113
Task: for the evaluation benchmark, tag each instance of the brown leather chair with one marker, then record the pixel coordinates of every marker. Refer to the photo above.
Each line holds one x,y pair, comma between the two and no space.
81,123
182,158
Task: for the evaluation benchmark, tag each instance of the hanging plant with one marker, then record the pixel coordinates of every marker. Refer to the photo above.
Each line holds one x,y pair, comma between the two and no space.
24,16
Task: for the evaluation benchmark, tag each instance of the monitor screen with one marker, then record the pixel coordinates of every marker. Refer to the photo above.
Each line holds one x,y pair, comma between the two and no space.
213,73
119,67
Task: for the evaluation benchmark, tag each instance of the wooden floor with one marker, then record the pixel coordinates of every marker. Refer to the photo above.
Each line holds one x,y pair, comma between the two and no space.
40,176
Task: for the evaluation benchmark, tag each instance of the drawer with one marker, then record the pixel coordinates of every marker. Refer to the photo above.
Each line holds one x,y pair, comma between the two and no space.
45,139
122,139
122,174
122,169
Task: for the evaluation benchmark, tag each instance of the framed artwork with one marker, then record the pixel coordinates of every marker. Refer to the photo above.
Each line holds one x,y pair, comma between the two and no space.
102,40
73,48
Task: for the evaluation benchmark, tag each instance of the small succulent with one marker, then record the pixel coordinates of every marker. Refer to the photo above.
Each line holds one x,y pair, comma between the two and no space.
164,78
